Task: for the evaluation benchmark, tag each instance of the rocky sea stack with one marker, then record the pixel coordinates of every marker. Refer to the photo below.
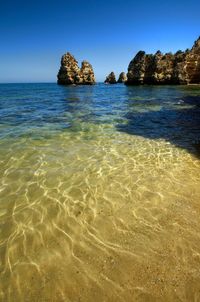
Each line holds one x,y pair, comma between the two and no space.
70,73
110,79
122,78
179,68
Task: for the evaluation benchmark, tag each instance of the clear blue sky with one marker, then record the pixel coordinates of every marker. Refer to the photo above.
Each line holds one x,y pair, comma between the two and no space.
108,33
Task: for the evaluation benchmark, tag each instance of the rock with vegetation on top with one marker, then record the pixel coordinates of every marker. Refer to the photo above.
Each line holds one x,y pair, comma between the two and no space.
179,68
110,79
70,73
122,78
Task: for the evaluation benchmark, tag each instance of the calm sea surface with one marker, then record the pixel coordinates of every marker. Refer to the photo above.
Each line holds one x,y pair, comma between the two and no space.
99,193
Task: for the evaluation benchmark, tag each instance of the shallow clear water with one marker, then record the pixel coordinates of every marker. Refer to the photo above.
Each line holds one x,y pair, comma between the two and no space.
100,193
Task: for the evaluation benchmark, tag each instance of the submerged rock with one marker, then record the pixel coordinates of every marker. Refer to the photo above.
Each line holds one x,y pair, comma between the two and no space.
179,68
110,79
122,77
70,73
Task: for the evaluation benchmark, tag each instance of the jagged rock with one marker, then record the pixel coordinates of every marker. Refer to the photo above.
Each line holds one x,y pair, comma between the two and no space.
70,73
136,69
122,77
87,73
179,68
192,66
110,79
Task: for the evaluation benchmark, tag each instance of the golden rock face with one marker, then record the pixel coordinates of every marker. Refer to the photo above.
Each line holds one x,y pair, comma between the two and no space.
179,68
70,73
192,65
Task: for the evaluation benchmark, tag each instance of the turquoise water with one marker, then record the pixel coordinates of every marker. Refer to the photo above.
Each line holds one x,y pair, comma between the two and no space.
99,195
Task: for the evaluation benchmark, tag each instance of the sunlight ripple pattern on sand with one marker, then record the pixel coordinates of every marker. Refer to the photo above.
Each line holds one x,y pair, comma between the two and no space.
93,205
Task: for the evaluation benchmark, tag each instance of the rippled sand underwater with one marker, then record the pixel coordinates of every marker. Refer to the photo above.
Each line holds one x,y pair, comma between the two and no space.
100,193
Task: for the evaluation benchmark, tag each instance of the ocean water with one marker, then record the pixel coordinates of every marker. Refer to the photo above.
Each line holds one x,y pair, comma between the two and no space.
99,193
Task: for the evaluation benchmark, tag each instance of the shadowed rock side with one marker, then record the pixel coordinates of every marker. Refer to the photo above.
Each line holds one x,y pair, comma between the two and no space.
70,73
110,79
122,78
179,68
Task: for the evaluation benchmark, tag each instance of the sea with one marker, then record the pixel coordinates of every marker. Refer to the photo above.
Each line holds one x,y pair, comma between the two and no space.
99,193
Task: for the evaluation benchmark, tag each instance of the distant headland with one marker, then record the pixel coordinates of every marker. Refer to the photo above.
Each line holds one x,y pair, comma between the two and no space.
181,68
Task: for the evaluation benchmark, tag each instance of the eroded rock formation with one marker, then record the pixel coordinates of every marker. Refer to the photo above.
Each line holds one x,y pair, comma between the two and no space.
179,68
70,73
122,77
110,79
192,67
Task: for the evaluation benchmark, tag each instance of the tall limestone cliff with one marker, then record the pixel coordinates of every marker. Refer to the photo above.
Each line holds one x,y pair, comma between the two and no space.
70,73
192,66
179,68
